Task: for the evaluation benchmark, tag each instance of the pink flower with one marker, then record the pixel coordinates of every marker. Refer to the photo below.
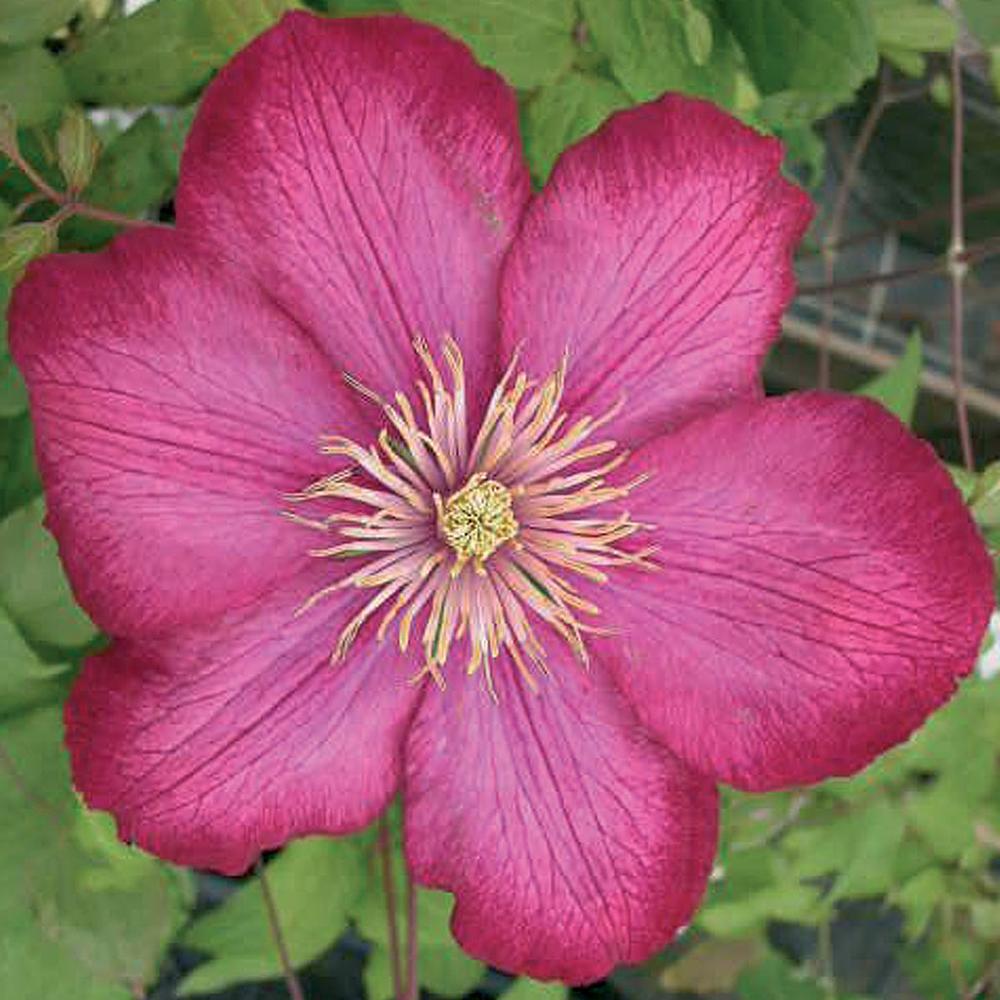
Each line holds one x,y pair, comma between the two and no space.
505,460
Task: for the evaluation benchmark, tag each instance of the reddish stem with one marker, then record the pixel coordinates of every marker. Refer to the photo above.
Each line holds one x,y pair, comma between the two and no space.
412,980
957,266
291,980
833,231
392,918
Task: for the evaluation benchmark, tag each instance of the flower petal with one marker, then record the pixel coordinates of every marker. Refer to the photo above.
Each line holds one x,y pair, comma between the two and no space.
174,408
215,743
821,589
369,173
571,840
659,257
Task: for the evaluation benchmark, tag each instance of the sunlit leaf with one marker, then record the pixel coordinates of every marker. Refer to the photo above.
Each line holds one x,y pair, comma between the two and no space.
825,50
647,44
234,23
32,83
162,53
72,925
918,898
33,588
315,882
897,388
917,25
777,979
24,21
529,41
564,112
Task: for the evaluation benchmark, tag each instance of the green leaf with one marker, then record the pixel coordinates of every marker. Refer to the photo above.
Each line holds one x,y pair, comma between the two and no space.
912,64
378,974
77,919
160,55
134,173
351,8
21,244
826,50
563,113
944,818
984,498
529,41
447,971
235,23
986,919
879,832
777,979
647,43
19,481
32,84
33,588
32,20
316,883
531,989
25,680
983,19
918,898
13,396
712,965
940,90
913,25
897,388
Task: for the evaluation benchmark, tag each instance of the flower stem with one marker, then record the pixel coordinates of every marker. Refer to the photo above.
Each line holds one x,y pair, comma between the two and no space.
392,916
957,266
832,237
412,980
976,252
67,201
291,980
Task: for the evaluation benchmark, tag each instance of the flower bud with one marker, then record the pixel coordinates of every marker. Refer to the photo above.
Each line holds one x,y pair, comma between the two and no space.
8,129
77,147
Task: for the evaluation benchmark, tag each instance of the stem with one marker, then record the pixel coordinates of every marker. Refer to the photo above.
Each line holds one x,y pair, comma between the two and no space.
392,916
66,201
58,819
291,980
833,231
25,205
412,981
911,223
956,265
114,218
971,255
829,982
15,157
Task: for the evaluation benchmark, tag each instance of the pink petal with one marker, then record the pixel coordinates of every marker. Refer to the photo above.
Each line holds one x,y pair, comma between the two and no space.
174,408
821,590
369,173
659,257
572,842
215,743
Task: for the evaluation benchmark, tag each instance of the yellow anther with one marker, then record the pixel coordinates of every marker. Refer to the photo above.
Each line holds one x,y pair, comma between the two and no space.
478,519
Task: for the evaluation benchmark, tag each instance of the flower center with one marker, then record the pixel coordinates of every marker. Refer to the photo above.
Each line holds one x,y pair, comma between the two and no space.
478,519
418,513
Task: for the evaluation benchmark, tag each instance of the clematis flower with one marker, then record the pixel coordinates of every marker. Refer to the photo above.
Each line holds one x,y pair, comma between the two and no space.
387,476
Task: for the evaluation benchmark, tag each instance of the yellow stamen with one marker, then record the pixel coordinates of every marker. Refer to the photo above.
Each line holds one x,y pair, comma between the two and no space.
478,519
